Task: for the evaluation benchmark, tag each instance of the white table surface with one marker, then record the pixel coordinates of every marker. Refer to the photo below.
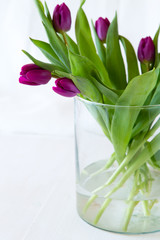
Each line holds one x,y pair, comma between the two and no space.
37,191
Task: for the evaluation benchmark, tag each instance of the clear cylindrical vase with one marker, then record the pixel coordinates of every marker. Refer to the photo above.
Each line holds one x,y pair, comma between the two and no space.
118,166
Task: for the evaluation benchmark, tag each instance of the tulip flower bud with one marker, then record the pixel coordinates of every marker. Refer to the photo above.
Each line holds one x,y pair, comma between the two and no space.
101,27
62,18
146,50
65,87
32,74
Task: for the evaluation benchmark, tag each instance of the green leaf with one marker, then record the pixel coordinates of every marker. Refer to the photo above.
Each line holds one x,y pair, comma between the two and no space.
84,69
82,3
46,49
87,89
86,46
156,95
100,47
145,119
124,118
105,114
114,60
148,115
56,43
47,66
82,66
48,13
41,11
93,109
40,5
155,40
62,74
132,63
110,96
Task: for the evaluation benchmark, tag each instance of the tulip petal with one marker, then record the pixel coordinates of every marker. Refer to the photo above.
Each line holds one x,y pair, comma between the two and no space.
24,80
28,67
67,84
62,18
39,76
150,54
56,19
63,92
140,50
101,27
146,50
65,17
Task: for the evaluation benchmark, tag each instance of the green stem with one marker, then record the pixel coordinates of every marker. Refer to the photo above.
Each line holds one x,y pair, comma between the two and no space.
102,209
135,188
129,212
152,203
146,209
108,165
91,199
94,196
64,37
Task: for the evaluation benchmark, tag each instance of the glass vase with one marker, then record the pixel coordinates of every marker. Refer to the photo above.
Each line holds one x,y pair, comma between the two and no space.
118,181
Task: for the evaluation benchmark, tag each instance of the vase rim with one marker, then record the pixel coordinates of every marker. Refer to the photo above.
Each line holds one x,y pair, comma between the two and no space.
115,106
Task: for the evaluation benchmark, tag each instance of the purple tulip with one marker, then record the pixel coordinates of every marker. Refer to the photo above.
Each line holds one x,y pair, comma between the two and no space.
62,18
65,87
146,50
32,74
101,26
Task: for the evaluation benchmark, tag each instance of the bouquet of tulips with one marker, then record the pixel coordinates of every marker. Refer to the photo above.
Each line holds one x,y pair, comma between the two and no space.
94,70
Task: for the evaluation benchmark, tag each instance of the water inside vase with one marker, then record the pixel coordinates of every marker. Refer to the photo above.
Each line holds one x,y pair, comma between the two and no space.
113,217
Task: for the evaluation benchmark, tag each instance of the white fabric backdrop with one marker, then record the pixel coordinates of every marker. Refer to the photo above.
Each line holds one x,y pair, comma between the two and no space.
38,109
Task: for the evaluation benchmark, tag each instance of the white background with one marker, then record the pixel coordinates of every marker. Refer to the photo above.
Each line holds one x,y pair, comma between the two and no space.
37,198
